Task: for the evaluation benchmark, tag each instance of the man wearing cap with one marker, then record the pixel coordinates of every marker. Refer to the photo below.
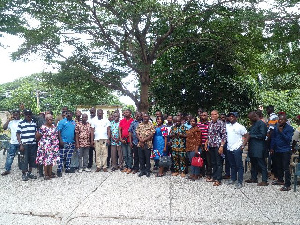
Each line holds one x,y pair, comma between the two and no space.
66,135
26,137
12,124
235,145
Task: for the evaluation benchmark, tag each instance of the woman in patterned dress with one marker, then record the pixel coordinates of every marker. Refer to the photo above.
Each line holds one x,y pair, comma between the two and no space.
48,146
160,142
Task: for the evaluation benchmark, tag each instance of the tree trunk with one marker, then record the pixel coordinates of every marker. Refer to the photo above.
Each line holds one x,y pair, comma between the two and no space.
143,105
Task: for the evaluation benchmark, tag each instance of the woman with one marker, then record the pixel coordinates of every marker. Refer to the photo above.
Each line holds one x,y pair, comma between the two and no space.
193,142
48,146
160,143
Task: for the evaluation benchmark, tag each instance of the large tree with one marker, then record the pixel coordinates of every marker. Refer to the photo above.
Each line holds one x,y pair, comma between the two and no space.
112,39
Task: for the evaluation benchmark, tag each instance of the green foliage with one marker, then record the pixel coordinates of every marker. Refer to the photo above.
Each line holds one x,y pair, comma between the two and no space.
53,96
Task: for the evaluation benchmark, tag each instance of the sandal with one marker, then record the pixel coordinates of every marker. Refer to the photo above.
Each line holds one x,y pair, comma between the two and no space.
217,183
210,180
284,188
159,175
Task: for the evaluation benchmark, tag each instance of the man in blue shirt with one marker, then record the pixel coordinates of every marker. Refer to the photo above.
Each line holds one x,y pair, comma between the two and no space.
281,144
66,134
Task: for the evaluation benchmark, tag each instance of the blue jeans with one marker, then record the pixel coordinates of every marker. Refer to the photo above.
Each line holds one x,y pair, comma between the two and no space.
12,151
194,169
127,155
236,165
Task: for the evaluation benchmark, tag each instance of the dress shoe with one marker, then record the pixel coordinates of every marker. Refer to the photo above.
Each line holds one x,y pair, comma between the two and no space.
147,174
263,183
251,181
98,169
105,170
5,173
141,174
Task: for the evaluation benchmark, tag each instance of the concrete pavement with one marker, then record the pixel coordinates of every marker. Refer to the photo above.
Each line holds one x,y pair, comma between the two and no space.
118,198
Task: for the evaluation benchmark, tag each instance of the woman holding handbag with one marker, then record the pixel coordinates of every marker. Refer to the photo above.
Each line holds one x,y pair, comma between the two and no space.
193,143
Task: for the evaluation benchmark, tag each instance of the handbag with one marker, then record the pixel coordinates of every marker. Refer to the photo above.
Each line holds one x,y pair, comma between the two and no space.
197,161
165,161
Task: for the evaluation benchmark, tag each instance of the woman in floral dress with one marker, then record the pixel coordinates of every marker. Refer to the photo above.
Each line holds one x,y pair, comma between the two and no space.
48,146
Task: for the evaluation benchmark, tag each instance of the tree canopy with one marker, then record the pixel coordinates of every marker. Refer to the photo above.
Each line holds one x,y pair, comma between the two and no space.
166,45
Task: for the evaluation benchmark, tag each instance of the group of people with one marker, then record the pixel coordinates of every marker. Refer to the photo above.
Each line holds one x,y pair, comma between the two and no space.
121,142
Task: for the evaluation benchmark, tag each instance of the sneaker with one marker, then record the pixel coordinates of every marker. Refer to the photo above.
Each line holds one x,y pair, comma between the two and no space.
238,186
230,182
70,170
24,177
6,172
147,174
59,174
80,170
87,170
31,176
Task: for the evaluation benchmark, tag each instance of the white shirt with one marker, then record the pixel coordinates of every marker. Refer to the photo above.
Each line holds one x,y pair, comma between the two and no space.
235,134
13,127
100,127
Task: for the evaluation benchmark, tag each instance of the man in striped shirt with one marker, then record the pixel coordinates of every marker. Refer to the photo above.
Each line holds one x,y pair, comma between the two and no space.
203,126
26,137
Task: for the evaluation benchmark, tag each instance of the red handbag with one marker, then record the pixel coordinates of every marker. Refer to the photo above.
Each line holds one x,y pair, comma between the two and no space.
197,161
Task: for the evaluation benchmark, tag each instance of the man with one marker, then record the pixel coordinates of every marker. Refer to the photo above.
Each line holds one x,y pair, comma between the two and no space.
134,141
257,149
124,134
235,134
145,132
272,121
296,136
84,136
92,148
280,144
75,156
225,120
116,151
101,131
203,126
26,138
12,124
66,135
62,116
214,144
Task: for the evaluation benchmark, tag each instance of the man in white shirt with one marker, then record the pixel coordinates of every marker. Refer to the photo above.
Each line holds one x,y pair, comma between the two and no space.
12,124
101,128
235,145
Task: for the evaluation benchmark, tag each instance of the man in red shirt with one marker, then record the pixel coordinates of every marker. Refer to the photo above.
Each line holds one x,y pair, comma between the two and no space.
124,134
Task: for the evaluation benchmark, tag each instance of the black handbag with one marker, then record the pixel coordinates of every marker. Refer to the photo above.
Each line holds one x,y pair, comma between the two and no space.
165,161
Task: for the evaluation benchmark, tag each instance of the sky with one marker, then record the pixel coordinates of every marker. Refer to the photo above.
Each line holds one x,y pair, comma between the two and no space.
12,70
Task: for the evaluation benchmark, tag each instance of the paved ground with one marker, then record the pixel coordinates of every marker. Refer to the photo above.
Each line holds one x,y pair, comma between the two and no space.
117,198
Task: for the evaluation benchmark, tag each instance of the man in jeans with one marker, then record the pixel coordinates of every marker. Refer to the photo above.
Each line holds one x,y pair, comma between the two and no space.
28,148
280,144
214,144
134,141
235,134
124,134
12,124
